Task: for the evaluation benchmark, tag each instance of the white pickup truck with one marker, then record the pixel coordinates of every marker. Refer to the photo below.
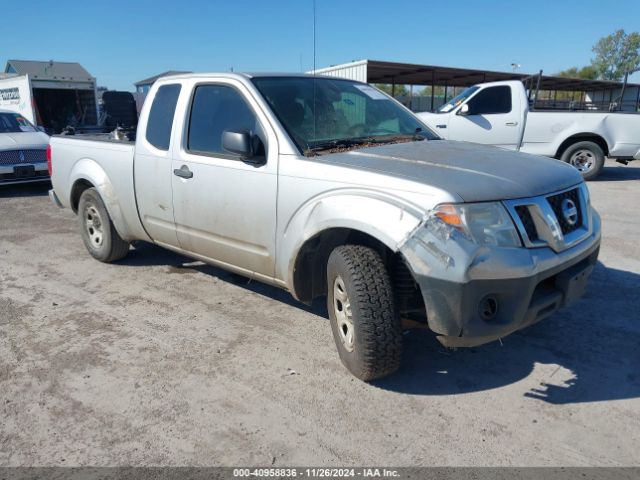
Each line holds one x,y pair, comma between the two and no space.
497,113
328,187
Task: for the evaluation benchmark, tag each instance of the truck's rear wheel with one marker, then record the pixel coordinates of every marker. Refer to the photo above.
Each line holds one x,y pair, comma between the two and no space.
587,157
97,230
364,318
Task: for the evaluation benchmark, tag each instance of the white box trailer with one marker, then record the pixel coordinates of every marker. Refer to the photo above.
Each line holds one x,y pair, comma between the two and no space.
15,95
52,104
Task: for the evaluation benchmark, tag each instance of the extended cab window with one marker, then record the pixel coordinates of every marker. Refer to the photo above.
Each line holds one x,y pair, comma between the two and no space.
161,116
217,108
491,100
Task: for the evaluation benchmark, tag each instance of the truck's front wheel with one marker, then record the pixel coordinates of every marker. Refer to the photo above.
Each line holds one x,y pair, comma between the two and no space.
97,230
587,157
364,318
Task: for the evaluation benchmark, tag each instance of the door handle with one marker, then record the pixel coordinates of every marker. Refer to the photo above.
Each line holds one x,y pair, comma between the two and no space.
442,125
183,172
511,124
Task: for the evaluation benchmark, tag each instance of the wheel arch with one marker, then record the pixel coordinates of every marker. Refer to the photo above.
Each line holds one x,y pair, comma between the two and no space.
583,137
309,272
87,173
349,216
79,186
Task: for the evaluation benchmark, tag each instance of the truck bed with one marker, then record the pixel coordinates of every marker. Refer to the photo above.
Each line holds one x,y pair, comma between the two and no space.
106,159
621,128
97,137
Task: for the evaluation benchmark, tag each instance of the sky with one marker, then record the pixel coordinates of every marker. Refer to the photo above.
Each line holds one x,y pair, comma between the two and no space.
121,42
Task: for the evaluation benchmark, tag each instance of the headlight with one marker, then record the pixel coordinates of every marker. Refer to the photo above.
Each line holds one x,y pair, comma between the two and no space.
484,223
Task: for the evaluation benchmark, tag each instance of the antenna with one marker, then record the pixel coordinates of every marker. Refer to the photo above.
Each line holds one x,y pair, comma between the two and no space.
315,108
314,37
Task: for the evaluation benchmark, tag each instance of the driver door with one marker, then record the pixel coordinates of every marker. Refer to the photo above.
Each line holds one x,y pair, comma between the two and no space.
224,207
492,118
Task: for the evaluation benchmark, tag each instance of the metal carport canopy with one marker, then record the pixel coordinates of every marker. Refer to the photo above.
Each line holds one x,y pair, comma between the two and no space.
412,74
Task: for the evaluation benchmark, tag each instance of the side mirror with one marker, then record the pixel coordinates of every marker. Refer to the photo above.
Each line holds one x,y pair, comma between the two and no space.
238,142
464,110
244,144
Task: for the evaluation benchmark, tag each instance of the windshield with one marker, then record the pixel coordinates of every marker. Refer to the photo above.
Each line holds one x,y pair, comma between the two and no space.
321,113
14,123
455,101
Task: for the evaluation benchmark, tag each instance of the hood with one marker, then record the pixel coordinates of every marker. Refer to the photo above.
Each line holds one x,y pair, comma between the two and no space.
23,140
474,172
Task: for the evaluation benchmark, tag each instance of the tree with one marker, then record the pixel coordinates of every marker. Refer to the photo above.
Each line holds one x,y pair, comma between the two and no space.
387,88
438,91
585,73
616,54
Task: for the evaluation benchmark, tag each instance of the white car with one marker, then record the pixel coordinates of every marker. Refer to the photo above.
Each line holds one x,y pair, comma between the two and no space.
498,113
23,148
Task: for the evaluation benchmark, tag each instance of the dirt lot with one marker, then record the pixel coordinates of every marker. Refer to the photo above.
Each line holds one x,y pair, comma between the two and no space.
158,360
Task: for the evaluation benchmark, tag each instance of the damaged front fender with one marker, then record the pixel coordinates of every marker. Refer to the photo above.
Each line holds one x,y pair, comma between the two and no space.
440,257
379,215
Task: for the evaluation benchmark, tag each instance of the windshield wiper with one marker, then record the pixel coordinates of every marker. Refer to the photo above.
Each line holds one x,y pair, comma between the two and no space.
417,136
345,142
352,142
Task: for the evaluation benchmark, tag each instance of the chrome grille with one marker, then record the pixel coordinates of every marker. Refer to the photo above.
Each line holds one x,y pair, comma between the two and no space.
556,204
527,222
559,220
13,157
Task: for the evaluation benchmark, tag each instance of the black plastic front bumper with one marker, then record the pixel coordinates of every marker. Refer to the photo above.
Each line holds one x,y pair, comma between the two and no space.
520,302
524,284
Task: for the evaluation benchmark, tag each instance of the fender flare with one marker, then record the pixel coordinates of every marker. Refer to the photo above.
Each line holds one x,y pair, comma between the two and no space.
387,218
90,171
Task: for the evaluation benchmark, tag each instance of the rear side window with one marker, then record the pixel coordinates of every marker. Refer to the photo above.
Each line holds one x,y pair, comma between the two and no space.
161,116
491,100
217,108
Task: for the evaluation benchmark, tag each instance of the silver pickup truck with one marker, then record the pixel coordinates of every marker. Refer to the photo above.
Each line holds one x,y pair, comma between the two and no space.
328,187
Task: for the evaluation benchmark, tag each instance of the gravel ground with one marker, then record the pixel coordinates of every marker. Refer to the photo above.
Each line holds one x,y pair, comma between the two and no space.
158,360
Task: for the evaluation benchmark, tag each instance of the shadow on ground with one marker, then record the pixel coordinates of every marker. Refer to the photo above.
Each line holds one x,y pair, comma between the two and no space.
25,190
146,254
616,172
593,346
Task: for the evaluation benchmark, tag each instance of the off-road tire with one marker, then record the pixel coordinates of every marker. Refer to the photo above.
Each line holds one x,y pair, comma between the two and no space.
376,349
111,246
594,153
